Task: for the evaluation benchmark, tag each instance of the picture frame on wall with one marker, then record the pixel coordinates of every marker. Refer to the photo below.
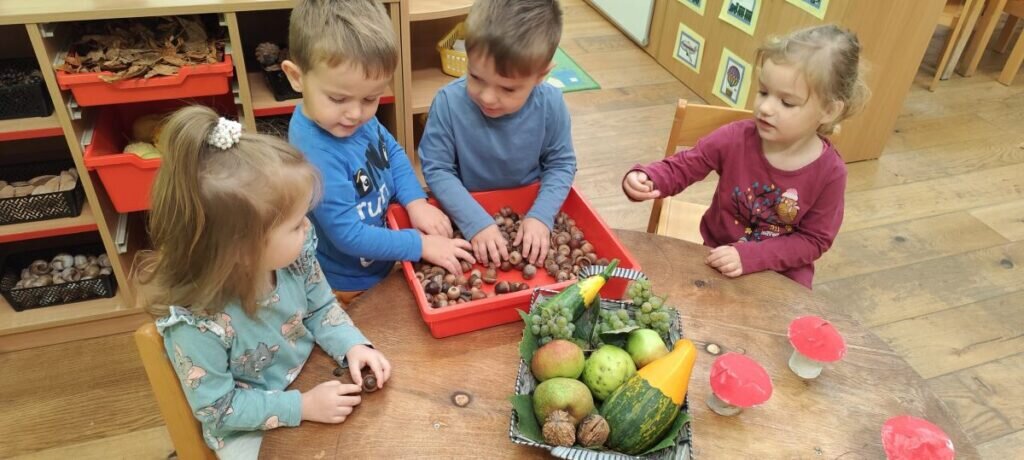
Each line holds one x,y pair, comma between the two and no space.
816,8
695,5
742,14
732,82
689,48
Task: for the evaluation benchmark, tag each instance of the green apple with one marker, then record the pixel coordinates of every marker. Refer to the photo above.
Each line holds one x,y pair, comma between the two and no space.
645,346
566,394
607,368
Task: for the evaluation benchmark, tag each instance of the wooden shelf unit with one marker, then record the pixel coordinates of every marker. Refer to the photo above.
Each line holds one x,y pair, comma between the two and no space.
264,104
85,222
425,84
30,128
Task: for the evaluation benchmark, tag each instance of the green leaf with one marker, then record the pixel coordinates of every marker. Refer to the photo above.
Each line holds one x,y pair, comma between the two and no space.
585,323
527,346
673,433
618,337
528,427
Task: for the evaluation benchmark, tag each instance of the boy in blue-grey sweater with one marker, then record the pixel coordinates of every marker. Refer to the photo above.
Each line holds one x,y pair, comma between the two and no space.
501,126
342,58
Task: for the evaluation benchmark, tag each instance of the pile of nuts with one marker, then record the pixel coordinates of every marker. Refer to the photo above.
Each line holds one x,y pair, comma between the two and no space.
64,268
39,185
568,254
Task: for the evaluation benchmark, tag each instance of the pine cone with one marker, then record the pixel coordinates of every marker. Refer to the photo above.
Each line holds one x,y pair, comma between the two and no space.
267,54
560,429
593,431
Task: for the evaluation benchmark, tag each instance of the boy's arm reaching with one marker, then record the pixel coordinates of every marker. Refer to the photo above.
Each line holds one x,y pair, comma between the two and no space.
817,231
440,169
558,167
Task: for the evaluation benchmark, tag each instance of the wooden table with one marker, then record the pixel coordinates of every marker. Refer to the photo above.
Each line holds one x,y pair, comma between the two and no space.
838,415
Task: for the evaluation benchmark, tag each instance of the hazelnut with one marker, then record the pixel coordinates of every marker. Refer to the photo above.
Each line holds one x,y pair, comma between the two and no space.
475,282
515,258
562,238
587,247
453,292
562,275
575,253
593,431
581,261
560,429
450,278
506,266
521,286
601,261
551,267
592,258
529,271
502,287
564,250
461,281
576,241
478,294
476,273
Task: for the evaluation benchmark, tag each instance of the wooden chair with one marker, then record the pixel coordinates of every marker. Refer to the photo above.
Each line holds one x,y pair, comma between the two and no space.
960,16
675,217
186,432
1015,10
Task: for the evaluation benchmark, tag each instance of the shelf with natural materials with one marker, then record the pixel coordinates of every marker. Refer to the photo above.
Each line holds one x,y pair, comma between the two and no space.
264,104
425,84
30,128
425,10
84,222
13,322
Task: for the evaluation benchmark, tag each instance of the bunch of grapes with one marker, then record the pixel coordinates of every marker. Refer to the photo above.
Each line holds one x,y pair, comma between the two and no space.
611,320
653,313
548,324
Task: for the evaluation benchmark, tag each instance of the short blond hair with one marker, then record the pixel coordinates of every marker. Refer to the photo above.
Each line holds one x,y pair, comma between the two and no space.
334,32
520,35
212,211
829,58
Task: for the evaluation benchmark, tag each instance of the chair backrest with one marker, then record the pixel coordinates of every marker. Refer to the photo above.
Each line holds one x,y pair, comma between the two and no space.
692,122
186,432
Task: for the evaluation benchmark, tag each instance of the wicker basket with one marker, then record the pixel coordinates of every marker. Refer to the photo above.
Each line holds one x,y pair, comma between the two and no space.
54,294
453,62
526,383
67,203
26,99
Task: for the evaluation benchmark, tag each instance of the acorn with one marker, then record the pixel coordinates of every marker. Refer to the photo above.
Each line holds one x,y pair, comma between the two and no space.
551,267
491,275
586,247
564,250
506,266
465,266
562,275
562,238
454,292
461,281
515,258
475,282
450,278
477,294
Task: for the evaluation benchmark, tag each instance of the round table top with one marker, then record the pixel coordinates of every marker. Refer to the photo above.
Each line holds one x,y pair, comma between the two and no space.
839,414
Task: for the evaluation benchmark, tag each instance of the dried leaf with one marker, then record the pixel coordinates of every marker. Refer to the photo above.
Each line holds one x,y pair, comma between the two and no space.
161,69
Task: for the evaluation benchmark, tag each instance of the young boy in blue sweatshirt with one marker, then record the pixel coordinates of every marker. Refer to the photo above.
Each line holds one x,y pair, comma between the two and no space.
342,57
501,126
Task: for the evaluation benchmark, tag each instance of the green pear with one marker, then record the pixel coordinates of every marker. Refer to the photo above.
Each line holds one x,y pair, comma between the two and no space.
644,346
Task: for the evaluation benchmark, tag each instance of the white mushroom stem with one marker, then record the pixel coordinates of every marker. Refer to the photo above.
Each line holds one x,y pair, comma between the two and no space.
721,407
803,366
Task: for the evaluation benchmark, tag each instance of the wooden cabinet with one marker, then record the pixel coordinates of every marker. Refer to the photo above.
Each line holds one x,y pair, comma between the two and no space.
41,29
893,36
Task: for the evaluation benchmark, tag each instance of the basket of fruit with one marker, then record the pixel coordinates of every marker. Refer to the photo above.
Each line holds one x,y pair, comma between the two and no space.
596,379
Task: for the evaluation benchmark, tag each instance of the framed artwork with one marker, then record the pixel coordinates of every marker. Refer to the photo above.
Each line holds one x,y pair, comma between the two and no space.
817,8
732,83
689,48
695,5
741,13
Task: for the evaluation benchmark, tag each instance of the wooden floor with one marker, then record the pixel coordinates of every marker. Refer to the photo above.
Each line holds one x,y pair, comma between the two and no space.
931,256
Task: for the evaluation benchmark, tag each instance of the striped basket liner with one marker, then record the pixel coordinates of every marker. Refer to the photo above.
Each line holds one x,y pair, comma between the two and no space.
526,383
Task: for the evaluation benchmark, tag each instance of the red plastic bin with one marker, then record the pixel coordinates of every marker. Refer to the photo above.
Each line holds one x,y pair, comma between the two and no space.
126,177
493,311
190,81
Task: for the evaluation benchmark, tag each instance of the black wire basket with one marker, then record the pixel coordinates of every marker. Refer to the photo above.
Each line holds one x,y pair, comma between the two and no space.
22,90
67,203
53,294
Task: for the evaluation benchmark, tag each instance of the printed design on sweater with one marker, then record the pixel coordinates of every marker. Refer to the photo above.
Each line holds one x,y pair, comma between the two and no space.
272,422
189,374
368,179
764,211
215,413
254,361
293,329
336,316
218,323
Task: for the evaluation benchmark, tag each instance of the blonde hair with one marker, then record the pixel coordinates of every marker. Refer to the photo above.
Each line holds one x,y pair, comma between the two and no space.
520,35
212,211
829,58
333,32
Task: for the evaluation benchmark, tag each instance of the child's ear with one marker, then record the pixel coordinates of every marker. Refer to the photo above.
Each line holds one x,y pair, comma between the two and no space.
294,74
832,112
544,75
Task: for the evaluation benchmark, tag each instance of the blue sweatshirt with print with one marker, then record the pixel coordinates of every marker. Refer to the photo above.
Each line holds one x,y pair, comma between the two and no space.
362,174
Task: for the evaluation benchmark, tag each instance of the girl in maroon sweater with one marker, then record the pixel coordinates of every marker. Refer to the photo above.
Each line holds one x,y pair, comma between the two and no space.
779,201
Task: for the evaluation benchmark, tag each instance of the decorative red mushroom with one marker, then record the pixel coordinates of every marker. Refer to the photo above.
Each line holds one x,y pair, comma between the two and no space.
911,438
737,382
815,342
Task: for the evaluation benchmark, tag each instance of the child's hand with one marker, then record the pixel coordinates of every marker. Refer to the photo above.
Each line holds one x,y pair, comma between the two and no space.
639,187
725,259
446,252
329,402
489,246
428,219
361,356
535,237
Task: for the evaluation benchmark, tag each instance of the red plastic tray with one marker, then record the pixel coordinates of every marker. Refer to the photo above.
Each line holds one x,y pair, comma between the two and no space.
492,311
126,177
190,81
